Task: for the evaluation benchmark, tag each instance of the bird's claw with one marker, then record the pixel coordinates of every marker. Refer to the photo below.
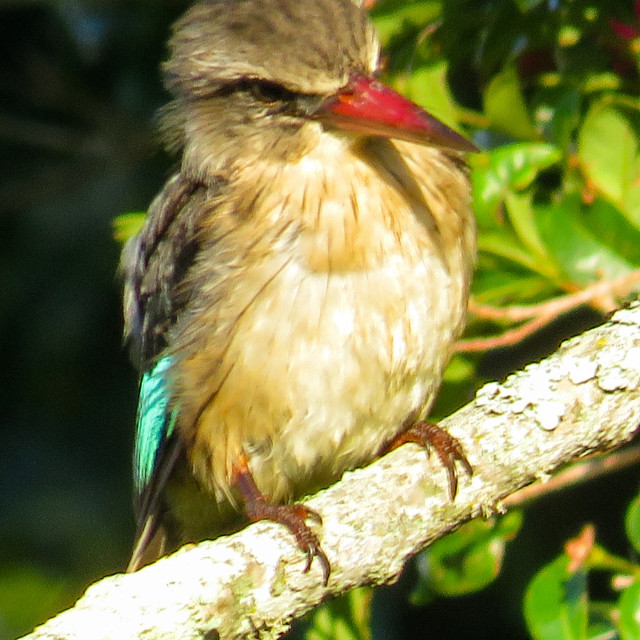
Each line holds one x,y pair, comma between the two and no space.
293,517
429,435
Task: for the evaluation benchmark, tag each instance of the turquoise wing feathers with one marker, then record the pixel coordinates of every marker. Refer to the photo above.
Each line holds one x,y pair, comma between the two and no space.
155,454
155,424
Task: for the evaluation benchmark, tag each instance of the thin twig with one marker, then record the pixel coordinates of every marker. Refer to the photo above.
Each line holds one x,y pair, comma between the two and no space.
600,295
590,468
504,340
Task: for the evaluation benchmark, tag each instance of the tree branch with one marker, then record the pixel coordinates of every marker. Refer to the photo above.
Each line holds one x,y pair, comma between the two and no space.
582,399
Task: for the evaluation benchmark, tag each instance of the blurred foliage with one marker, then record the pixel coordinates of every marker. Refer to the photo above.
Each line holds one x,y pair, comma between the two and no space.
548,89
345,618
78,92
558,605
466,560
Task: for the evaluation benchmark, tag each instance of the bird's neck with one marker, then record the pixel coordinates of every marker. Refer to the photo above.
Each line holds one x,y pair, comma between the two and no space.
356,205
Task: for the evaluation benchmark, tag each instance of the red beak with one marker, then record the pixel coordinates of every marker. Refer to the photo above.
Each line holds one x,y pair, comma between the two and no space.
369,107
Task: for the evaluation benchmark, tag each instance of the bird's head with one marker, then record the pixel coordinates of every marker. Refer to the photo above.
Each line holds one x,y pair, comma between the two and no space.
267,77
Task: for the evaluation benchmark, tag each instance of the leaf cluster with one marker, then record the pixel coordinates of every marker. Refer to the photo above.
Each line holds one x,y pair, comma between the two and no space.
548,91
558,605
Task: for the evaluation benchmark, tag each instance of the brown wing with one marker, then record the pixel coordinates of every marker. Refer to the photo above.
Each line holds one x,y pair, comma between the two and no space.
154,265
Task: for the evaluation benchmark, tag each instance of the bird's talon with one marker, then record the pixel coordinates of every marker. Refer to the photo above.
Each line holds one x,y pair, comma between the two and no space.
317,552
429,435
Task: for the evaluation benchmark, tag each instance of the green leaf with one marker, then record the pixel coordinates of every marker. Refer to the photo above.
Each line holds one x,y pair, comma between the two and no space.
344,618
555,605
505,107
459,369
607,223
505,170
608,154
504,246
632,523
392,17
466,560
630,612
569,35
521,215
597,82
457,386
559,114
127,225
583,256
602,630
499,285
428,87
46,594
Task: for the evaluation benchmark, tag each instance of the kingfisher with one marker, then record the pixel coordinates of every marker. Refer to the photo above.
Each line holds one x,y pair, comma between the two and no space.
295,292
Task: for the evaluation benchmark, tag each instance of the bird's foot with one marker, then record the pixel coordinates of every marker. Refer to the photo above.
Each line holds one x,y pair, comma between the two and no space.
292,516
429,435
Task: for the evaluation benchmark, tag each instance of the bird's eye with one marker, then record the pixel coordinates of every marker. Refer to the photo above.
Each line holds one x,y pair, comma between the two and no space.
270,92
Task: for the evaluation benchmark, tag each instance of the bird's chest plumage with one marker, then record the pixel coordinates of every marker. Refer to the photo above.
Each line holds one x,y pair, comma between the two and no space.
338,365
324,317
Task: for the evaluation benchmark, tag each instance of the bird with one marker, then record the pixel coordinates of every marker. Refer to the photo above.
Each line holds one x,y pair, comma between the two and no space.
299,282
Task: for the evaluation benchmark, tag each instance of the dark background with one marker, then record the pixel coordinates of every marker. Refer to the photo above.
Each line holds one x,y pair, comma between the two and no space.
79,86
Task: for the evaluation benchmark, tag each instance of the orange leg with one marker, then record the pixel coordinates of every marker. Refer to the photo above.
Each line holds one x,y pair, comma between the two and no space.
293,516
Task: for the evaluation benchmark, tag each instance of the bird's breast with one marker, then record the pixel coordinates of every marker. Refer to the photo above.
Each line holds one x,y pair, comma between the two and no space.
333,328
